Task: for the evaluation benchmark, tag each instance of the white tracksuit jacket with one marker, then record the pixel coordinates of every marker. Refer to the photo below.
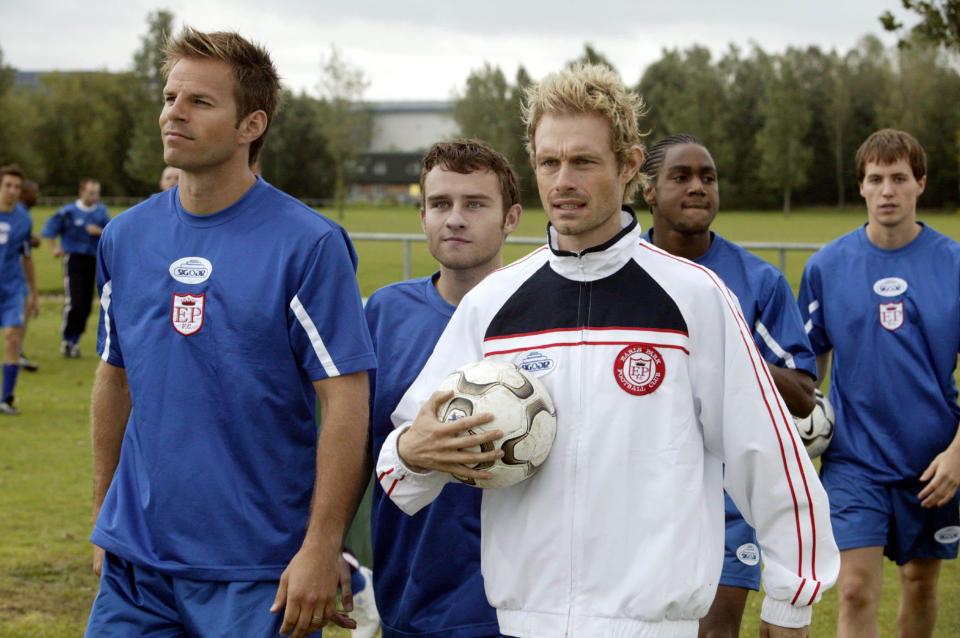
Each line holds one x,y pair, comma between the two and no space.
657,385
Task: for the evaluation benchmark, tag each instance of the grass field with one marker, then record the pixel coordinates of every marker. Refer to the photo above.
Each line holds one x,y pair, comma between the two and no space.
45,581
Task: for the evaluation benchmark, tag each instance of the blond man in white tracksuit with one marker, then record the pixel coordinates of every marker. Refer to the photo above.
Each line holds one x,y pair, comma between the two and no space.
657,385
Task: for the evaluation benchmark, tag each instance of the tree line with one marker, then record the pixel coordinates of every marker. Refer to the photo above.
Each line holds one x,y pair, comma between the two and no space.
783,127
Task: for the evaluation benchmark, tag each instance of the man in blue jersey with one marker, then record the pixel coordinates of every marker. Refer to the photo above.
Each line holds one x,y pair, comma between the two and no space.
228,311
18,289
427,579
883,301
79,226
683,192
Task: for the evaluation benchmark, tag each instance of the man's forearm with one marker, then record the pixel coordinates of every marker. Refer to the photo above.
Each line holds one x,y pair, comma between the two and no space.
343,468
109,412
30,273
796,388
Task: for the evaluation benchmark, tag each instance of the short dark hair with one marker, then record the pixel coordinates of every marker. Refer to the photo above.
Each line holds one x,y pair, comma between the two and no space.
468,156
887,146
87,180
655,154
256,83
12,169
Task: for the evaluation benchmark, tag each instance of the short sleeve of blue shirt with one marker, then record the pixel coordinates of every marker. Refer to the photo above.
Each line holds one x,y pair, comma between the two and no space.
108,346
328,334
811,307
54,225
782,338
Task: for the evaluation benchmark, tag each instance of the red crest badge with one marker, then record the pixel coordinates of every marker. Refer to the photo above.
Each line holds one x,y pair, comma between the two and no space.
891,315
639,369
187,313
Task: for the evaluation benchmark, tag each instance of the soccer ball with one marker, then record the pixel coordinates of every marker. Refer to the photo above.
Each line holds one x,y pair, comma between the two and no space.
816,430
523,411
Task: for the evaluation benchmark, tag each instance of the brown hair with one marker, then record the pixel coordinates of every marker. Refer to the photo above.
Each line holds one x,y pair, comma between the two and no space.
887,146
255,78
87,180
468,156
589,88
11,169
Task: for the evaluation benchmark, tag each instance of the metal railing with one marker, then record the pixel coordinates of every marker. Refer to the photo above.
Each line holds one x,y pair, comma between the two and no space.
408,239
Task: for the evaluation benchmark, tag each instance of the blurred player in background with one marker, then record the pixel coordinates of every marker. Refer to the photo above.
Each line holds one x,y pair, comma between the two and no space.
169,178
883,301
229,311
29,195
683,192
79,226
18,287
657,384
470,202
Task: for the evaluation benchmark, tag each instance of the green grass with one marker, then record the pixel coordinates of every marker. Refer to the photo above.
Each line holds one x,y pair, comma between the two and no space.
46,586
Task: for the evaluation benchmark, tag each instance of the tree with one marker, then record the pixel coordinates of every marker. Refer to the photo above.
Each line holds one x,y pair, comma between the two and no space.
17,121
785,159
939,22
144,157
295,158
591,55
345,121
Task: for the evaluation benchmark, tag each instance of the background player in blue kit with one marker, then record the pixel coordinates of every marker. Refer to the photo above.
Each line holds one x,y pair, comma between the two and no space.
228,310
683,192
79,226
883,300
427,567
18,289
29,195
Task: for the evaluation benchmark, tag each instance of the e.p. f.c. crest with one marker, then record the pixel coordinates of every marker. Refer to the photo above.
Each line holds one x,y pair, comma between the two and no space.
639,369
891,315
187,313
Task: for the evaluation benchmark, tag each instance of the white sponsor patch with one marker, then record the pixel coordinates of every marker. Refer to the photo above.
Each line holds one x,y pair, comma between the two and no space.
748,554
536,363
187,313
191,270
4,233
78,222
947,535
891,315
890,286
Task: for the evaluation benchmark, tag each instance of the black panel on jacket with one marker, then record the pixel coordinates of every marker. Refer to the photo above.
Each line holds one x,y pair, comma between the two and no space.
629,298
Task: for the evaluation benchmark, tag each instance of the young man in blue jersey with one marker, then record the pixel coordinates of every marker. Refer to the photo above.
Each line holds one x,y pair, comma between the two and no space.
427,579
79,226
882,300
18,289
228,311
683,192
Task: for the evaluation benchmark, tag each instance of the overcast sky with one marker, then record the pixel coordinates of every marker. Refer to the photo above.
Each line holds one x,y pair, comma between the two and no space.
424,50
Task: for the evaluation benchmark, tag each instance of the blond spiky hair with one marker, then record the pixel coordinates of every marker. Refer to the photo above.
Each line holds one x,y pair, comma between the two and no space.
589,88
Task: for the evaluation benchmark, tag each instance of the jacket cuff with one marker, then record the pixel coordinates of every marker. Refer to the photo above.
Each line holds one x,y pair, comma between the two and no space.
783,614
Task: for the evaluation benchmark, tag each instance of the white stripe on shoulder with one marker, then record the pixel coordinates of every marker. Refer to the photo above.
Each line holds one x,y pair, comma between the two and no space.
814,305
325,359
775,347
808,326
105,297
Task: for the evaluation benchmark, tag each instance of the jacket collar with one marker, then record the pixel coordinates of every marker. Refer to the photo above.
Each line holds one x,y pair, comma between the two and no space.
598,261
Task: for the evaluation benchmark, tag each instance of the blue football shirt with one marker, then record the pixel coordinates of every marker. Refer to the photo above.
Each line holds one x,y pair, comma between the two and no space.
767,302
892,320
222,322
15,229
70,222
426,567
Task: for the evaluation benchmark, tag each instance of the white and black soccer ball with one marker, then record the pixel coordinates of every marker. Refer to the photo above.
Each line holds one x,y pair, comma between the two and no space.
816,429
522,408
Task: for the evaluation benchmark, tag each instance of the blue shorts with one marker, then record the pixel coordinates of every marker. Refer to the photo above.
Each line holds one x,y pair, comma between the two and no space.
11,310
135,601
741,553
866,513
